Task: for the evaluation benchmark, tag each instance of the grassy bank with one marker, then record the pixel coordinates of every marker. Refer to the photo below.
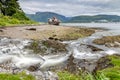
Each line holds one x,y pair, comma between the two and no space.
108,73
10,21
20,76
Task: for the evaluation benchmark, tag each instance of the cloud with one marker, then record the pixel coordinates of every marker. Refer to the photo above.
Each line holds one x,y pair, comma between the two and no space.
72,7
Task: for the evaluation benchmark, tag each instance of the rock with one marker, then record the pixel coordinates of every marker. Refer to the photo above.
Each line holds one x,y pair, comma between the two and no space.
44,75
56,45
32,29
51,38
51,76
103,63
115,44
71,66
33,68
94,48
1,30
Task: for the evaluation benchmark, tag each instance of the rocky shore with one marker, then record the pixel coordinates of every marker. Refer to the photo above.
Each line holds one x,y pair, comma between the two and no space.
42,32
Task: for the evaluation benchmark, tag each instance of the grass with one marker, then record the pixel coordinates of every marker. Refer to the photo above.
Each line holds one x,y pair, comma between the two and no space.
20,76
64,75
112,73
10,21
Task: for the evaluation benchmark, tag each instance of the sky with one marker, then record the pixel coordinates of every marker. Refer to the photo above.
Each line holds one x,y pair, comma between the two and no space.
72,7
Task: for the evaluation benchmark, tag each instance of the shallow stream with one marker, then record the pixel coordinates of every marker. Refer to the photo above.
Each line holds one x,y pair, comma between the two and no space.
13,52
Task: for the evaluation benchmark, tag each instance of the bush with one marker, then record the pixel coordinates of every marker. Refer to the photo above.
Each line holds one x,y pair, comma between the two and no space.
10,21
20,16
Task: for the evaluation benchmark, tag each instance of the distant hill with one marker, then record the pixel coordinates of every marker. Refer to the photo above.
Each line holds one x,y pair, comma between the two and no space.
43,16
96,18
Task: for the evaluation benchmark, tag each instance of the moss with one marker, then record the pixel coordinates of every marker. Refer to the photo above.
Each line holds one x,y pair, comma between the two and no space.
55,44
35,46
76,33
42,46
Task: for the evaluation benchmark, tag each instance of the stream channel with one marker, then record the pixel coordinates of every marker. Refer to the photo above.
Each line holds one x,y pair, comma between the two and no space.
13,54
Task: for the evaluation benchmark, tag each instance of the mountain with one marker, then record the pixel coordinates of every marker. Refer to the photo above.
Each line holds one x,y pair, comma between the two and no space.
95,18
43,16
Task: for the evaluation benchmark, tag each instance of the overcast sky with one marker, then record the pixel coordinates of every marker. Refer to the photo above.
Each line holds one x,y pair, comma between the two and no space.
72,7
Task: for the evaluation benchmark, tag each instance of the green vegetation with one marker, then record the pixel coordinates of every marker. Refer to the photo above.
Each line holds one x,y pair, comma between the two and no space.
109,73
20,76
11,8
11,14
113,73
64,75
10,21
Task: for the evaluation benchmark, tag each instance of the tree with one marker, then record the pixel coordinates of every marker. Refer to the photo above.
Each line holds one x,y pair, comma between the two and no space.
11,8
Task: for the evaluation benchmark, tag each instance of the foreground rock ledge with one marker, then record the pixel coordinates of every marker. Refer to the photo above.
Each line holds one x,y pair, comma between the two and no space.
46,31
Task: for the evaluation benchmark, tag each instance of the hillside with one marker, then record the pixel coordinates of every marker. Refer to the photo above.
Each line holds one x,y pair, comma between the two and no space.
96,18
43,16
12,15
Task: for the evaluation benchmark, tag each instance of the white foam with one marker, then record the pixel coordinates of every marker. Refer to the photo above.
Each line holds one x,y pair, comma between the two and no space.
110,52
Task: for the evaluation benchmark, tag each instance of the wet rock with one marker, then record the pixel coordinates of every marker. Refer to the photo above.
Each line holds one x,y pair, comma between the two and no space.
103,63
33,67
52,38
47,47
45,75
1,30
94,48
109,44
51,76
71,66
115,44
59,47
32,29
86,65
